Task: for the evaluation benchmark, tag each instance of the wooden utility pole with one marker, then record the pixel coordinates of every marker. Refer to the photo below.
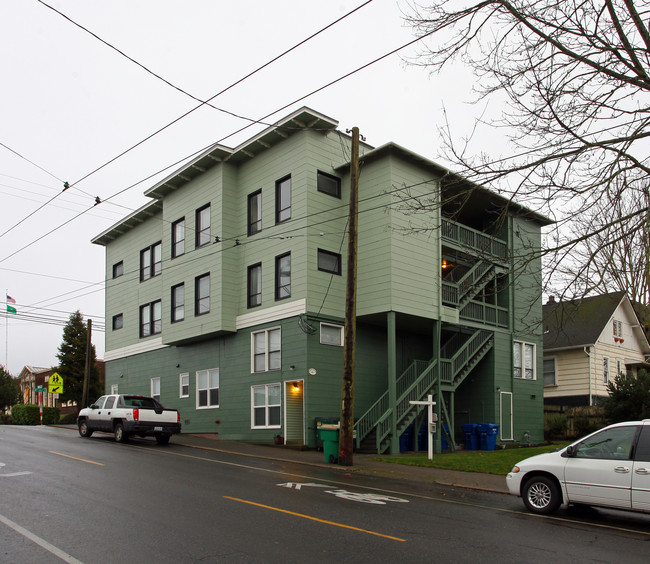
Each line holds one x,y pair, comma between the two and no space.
346,431
84,393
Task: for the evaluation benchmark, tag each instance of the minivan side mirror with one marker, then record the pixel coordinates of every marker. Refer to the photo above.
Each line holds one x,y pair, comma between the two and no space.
570,452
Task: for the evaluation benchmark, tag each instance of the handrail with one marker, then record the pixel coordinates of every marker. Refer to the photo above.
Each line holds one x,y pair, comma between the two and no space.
473,239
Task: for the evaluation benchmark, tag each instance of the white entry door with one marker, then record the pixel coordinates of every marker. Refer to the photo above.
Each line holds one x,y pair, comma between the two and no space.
506,416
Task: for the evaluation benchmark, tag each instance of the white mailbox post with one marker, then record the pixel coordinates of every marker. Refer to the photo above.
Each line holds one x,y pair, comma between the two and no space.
432,417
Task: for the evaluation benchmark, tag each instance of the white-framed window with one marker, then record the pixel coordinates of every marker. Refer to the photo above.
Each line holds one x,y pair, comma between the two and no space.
266,350
619,367
266,403
550,372
617,328
155,388
605,370
207,388
184,385
151,261
524,360
114,388
331,334
151,319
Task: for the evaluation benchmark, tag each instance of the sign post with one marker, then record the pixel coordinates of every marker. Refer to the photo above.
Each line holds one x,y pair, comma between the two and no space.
40,390
432,417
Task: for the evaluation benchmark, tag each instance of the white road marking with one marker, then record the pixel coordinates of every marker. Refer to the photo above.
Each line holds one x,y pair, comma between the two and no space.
39,541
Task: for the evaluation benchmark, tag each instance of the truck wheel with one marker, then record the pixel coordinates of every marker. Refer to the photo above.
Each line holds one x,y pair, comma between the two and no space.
84,431
162,439
120,434
541,495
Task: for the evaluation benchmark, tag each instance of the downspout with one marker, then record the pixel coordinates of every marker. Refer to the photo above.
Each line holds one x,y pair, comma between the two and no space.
586,349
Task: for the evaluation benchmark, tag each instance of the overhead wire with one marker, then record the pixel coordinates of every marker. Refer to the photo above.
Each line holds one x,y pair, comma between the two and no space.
202,102
347,75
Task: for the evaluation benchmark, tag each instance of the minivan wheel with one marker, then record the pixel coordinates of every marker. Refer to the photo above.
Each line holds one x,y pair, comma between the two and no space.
541,495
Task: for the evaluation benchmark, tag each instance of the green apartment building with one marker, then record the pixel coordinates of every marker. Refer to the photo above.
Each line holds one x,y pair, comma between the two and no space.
225,294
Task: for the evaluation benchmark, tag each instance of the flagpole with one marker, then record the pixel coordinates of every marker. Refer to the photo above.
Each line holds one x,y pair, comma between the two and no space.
7,334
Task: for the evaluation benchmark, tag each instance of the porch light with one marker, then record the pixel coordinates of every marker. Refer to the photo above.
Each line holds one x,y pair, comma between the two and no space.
296,386
445,264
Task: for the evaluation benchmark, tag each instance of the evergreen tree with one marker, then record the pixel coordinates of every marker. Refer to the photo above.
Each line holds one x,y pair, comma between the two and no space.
629,398
9,389
72,362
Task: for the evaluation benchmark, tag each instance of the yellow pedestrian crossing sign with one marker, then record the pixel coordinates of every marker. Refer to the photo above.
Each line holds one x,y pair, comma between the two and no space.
55,384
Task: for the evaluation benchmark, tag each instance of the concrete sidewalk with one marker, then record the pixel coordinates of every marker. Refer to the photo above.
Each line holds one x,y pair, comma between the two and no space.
363,463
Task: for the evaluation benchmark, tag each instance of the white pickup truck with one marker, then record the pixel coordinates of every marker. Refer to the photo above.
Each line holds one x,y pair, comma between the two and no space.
126,415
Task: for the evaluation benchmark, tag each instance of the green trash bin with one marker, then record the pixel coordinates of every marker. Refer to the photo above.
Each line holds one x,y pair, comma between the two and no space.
329,434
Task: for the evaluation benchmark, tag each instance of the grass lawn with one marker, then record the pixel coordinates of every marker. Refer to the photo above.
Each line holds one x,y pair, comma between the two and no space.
498,461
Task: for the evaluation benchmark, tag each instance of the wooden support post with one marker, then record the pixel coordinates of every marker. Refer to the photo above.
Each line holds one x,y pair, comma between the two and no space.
346,431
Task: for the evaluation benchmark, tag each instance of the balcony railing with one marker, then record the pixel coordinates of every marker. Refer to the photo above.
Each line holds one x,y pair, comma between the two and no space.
473,239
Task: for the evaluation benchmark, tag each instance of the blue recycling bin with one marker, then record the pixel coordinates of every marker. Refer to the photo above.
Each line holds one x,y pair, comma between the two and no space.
423,438
488,433
405,440
470,430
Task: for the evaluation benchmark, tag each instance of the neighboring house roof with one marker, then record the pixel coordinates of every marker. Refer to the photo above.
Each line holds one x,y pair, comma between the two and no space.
580,322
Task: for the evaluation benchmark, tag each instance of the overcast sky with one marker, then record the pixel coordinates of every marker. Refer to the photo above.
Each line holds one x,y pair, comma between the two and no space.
70,104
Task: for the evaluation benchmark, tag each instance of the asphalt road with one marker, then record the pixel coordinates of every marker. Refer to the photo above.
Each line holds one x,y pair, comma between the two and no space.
92,500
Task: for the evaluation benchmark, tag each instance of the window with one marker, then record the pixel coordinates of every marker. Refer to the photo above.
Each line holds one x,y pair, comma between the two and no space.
254,285
255,212
118,269
609,444
114,388
118,321
328,184
150,261
266,350
184,385
207,388
178,238
151,319
202,295
329,262
550,376
283,276
155,388
619,367
331,334
524,361
605,370
178,303
266,402
203,226
283,200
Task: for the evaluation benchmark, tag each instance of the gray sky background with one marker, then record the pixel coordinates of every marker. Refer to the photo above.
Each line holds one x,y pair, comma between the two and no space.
70,104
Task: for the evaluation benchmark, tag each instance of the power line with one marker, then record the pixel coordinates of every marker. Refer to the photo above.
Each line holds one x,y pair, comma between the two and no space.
202,102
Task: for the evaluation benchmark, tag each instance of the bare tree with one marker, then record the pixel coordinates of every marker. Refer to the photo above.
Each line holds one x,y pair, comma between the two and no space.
611,254
575,77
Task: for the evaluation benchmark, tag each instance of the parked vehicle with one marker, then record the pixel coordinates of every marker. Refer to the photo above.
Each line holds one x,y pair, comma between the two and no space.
609,468
126,415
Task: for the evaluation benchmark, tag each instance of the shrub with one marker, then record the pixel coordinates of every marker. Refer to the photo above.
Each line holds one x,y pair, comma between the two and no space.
29,414
556,427
68,419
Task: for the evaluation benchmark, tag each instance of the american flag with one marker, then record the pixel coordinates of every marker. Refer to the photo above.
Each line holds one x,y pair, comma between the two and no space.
10,300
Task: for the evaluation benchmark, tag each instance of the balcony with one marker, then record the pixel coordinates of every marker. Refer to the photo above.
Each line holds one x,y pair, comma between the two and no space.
474,241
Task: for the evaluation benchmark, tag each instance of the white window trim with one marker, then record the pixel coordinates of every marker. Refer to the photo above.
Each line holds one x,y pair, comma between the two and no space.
523,361
153,394
334,326
180,385
605,370
554,359
114,388
266,406
266,350
198,389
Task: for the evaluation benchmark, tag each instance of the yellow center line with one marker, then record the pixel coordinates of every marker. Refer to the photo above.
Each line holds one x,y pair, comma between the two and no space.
314,518
75,458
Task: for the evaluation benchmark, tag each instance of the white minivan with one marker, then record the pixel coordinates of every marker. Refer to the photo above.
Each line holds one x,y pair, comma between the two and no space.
609,468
